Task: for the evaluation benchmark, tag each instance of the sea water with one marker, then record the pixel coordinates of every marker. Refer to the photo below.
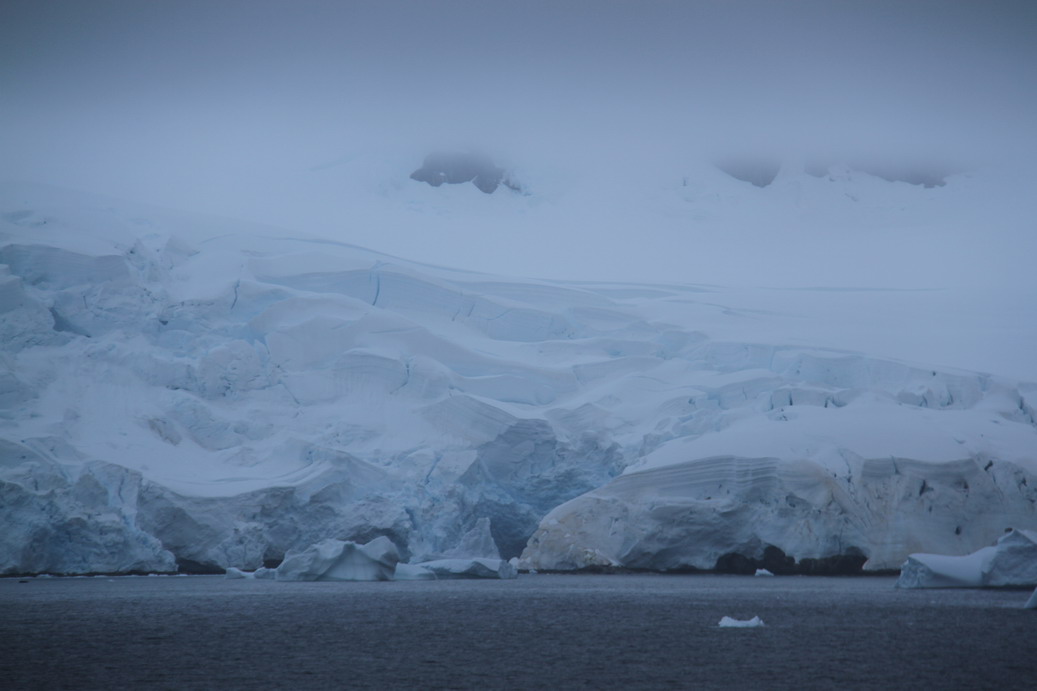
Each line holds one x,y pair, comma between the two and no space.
539,631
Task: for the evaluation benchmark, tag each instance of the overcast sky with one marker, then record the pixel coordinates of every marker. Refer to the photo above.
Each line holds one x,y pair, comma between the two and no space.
188,103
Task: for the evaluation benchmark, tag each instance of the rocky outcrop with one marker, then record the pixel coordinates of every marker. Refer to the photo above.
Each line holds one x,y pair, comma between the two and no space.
455,168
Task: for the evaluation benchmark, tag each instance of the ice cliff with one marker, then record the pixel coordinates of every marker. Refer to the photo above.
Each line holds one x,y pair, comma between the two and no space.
194,392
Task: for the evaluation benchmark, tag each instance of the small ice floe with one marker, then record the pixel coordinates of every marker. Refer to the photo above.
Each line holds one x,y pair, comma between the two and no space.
456,568
763,572
729,623
1032,602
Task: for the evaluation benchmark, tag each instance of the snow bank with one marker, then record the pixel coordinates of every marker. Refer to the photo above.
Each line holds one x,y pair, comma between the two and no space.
1011,562
337,560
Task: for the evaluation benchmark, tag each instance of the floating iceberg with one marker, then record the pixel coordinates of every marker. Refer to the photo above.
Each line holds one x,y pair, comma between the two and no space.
456,568
338,560
1032,602
235,573
1012,562
729,623
763,572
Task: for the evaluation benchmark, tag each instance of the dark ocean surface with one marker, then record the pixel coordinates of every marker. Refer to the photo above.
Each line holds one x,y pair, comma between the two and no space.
540,631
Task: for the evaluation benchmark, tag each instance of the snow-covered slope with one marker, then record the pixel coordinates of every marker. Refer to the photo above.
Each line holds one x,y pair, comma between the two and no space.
178,389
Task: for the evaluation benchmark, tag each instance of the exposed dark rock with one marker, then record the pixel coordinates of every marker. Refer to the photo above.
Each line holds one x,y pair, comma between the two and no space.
198,568
778,563
457,168
848,564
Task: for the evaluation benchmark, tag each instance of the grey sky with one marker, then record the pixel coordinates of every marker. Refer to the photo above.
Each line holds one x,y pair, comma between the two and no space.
188,102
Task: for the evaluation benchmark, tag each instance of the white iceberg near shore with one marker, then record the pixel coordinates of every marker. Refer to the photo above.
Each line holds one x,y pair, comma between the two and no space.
339,560
729,623
1012,562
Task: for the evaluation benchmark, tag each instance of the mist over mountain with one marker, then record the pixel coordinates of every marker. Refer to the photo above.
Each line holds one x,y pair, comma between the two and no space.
239,108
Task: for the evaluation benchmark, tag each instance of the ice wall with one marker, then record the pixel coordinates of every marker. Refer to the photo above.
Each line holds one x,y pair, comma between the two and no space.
788,515
181,390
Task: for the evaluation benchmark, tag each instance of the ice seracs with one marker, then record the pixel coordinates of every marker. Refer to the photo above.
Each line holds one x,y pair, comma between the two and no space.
1012,562
339,560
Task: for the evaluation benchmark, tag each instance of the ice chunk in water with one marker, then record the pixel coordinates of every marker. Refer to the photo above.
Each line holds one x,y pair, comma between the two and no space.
457,568
729,623
337,560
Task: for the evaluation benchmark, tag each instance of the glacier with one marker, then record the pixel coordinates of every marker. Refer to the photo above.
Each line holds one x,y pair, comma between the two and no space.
182,392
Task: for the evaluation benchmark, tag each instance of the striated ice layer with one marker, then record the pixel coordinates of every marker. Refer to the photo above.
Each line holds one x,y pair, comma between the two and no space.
1012,562
195,393
788,515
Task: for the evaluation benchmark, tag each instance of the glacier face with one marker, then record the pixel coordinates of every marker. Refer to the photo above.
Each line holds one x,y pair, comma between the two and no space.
181,390
734,513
